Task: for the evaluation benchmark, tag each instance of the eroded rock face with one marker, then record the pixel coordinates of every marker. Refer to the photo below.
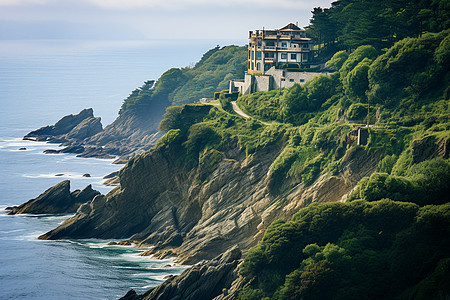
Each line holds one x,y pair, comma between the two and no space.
429,147
193,215
203,281
65,126
56,200
133,132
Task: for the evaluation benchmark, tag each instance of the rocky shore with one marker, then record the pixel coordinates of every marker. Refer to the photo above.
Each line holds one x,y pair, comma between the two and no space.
56,200
83,134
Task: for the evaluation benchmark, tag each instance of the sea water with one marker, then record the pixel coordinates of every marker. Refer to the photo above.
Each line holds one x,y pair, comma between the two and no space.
41,81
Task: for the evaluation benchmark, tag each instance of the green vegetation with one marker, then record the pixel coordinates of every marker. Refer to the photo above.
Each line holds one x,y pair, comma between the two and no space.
179,86
354,250
348,24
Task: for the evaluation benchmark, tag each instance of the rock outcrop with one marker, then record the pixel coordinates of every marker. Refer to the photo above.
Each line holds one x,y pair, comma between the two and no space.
133,132
81,125
203,281
56,200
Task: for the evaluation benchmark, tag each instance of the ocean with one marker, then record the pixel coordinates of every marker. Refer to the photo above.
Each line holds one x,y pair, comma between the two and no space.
40,82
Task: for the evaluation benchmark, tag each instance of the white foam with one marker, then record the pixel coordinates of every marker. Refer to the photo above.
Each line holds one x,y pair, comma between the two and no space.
11,231
159,277
64,175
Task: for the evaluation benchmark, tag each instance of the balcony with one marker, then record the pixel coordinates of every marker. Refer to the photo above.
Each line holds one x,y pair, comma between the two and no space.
283,49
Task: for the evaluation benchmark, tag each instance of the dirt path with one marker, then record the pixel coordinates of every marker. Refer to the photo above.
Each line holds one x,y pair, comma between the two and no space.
238,110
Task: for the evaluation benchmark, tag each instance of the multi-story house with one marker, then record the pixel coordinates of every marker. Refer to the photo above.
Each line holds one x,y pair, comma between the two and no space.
276,59
272,48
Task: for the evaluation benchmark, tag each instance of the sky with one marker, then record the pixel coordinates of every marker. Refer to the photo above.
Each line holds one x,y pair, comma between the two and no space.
148,19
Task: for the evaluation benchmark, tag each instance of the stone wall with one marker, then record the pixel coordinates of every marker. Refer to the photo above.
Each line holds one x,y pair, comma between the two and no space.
272,79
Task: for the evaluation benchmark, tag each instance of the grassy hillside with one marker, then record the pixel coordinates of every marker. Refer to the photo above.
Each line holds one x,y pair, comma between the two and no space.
179,86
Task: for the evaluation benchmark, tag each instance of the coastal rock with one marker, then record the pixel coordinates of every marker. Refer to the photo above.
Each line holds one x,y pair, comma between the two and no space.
203,281
22,148
76,149
112,179
86,128
50,151
62,127
133,132
56,200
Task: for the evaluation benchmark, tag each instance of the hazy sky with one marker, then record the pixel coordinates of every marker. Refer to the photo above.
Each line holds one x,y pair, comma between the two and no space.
147,19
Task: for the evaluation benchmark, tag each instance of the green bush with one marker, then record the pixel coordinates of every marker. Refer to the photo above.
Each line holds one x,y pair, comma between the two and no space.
357,112
363,253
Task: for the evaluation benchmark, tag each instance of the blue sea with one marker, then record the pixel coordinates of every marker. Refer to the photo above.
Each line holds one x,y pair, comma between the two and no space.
41,81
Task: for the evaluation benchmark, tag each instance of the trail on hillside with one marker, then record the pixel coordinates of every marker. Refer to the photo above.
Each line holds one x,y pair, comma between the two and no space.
238,110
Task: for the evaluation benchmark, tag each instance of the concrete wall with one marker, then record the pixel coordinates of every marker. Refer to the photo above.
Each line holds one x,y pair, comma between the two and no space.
273,79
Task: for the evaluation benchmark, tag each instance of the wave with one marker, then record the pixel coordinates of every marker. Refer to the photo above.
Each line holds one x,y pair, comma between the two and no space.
11,231
63,175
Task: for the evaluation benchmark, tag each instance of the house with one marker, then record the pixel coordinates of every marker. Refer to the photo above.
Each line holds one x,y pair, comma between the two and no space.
269,48
276,59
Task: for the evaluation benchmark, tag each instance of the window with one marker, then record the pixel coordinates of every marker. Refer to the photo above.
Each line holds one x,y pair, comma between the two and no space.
253,54
291,80
305,46
270,43
269,55
302,80
284,44
305,57
253,66
249,53
294,56
283,55
258,67
258,55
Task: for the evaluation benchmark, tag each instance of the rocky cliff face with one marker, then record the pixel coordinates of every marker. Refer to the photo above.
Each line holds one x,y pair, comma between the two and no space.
203,281
186,213
56,200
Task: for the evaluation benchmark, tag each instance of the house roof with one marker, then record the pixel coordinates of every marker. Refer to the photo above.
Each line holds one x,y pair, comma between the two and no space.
290,26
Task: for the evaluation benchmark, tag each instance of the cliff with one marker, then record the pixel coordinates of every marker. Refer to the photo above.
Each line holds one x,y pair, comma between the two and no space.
197,209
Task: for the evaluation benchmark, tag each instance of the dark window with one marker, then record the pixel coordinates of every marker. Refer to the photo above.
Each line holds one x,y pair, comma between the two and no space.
302,80
258,67
270,43
291,80
284,44
269,55
294,56
258,55
283,55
